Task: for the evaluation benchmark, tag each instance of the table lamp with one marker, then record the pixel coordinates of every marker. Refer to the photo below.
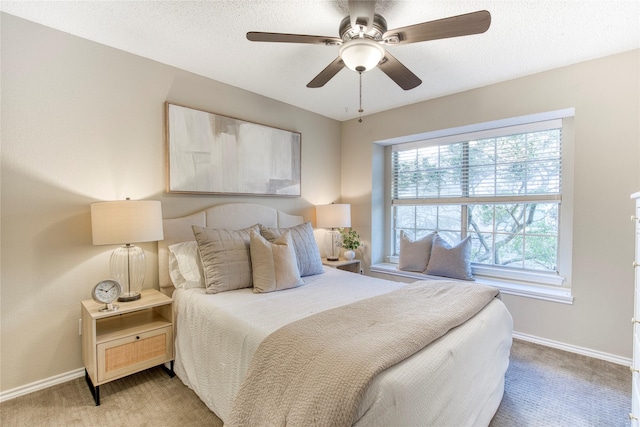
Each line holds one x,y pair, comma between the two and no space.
333,216
125,222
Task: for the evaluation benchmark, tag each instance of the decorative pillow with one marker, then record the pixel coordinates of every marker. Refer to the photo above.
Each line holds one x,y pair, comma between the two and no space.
274,263
447,261
304,244
414,255
225,257
185,268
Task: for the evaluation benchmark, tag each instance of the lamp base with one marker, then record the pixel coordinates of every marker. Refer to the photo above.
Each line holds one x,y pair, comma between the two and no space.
331,240
129,296
128,268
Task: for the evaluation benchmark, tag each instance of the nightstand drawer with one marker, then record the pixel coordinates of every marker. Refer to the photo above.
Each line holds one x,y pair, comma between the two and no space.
352,265
123,356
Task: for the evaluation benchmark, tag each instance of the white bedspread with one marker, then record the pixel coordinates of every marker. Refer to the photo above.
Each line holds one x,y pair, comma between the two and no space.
457,380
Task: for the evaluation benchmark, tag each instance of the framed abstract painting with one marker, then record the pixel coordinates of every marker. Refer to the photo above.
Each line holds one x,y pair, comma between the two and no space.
212,154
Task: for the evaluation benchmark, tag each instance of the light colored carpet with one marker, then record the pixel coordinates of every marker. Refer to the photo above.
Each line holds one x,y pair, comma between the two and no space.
549,387
149,398
544,387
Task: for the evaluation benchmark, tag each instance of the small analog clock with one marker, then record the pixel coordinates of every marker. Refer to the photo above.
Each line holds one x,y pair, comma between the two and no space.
106,292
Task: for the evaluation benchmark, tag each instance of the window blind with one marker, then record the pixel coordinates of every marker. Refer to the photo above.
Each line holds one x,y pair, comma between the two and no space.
509,164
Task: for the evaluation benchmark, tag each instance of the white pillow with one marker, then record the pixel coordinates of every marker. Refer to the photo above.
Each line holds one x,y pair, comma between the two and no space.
185,268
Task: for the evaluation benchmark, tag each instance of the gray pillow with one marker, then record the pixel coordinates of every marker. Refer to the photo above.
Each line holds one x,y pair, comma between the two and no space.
274,264
226,261
304,244
414,255
453,262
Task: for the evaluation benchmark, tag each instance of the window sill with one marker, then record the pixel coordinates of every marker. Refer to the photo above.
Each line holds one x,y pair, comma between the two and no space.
546,293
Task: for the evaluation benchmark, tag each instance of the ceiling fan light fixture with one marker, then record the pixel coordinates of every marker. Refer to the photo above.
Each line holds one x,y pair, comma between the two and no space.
361,54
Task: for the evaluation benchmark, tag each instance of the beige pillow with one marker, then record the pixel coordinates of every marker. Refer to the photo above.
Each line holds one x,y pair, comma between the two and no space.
414,255
274,263
304,243
225,257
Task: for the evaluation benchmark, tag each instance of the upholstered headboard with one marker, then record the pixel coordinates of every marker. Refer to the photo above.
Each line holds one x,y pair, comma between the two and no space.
230,216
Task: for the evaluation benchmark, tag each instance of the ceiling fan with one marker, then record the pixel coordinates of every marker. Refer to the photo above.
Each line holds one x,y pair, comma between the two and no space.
364,35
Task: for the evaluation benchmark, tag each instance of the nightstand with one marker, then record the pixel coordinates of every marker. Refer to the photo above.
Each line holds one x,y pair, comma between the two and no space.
352,265
137,336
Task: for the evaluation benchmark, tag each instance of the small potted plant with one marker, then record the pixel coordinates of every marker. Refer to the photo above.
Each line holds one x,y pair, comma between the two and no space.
350,242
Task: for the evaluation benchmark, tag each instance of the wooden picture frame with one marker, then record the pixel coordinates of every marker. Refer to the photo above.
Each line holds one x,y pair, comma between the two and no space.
212,154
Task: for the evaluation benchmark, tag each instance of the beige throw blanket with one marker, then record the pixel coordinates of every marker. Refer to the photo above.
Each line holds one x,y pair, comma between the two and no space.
314,372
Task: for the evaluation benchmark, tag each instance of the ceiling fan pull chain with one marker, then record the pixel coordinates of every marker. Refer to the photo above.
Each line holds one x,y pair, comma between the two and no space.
360,110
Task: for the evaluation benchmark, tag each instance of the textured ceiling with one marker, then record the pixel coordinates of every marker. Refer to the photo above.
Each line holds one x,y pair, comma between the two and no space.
208,38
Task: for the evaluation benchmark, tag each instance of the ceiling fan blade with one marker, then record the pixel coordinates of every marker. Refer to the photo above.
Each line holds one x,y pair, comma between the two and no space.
361,13
256,36
398,72
454,26
326,74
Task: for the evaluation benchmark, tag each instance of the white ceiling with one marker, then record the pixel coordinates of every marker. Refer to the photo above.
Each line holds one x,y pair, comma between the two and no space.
208,38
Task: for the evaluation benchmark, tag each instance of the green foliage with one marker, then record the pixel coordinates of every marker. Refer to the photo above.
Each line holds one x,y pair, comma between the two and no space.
350,239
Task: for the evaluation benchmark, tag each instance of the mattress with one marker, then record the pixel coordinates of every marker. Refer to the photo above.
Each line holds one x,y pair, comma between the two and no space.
456,380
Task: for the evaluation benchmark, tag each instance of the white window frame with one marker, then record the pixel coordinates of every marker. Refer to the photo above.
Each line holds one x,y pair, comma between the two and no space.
548,286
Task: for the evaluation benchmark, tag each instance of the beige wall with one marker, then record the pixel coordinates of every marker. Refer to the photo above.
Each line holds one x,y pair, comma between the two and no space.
82,122
606,96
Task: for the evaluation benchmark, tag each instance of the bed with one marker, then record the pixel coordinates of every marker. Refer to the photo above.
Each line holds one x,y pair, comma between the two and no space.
458,379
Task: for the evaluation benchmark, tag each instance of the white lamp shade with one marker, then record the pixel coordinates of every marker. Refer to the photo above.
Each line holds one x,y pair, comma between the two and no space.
333,216
126,221
361,52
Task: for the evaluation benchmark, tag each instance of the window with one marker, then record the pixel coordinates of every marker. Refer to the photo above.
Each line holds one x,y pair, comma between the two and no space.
501,186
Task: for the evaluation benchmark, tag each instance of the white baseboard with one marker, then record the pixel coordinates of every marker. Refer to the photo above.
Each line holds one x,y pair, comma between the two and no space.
71,375
574,349
41,385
